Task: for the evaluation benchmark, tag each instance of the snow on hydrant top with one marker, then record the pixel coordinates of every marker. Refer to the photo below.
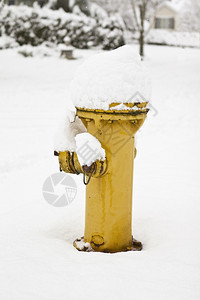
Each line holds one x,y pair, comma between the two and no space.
117,76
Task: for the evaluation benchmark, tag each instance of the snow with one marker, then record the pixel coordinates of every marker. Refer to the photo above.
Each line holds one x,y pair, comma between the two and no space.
173,38
7,42
65,136
45,49
115,76
97,11
179,4
37,258
85,142
81,245
65,47
72,136
47,14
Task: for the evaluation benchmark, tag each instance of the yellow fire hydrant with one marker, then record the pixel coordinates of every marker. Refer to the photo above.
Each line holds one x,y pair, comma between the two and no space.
108,217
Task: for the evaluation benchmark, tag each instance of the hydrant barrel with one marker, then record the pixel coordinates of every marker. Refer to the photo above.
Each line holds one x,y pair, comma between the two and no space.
108,217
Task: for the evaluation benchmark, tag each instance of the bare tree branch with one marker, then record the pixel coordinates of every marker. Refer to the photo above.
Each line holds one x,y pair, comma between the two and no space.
151,22
135,14
147,11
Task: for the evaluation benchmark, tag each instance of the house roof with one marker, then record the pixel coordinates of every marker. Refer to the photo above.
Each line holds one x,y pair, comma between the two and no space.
169,5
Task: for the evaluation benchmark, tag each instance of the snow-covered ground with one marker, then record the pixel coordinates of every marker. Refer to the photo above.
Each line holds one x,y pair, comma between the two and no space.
173,38
38,260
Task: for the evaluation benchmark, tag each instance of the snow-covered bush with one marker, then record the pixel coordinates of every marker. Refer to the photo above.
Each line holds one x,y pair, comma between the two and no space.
7,42
97,11
173,38
109,33
45,49
33,26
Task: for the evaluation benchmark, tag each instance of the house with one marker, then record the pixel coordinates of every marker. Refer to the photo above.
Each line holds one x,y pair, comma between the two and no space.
166,17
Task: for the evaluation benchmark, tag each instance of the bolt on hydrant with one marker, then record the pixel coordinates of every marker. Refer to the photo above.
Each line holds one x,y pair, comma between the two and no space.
118,75
108,217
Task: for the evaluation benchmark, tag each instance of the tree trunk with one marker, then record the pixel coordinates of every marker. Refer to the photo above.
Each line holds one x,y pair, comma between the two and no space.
63,4
141,41
142,8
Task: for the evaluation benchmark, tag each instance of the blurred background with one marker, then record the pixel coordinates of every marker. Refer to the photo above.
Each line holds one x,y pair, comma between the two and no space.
106,24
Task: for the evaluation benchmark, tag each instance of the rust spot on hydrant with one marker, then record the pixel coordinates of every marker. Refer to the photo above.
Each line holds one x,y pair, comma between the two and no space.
89,169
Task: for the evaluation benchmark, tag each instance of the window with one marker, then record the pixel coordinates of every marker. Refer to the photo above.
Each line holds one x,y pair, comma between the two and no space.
164,23
11,2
